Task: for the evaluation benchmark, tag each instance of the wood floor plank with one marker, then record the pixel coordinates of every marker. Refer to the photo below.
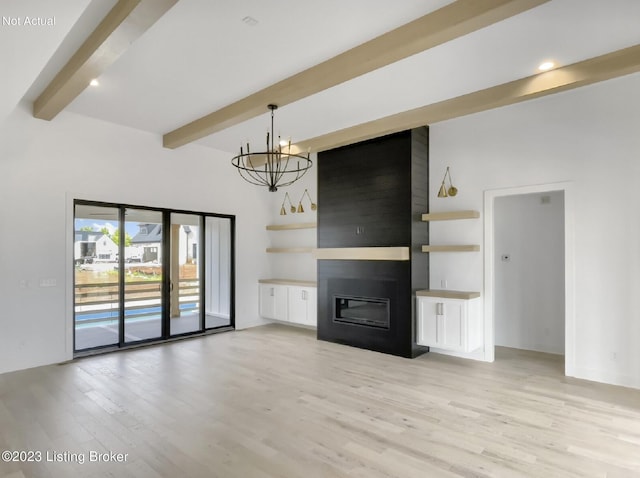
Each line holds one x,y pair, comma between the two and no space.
275,402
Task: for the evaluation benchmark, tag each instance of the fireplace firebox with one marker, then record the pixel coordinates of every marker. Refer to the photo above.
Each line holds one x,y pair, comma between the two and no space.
362,311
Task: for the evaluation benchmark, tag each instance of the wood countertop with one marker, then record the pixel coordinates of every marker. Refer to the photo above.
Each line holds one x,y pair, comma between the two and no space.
448,294
301,283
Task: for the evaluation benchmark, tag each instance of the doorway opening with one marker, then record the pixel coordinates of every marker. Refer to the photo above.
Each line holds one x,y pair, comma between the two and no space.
529,272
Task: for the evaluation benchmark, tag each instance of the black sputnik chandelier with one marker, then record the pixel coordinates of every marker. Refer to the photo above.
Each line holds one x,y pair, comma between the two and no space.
276,167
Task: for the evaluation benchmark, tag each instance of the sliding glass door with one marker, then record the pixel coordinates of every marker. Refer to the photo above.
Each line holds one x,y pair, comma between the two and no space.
97,289
144,275
185,287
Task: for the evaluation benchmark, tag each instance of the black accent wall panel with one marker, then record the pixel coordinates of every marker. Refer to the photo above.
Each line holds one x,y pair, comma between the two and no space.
365,192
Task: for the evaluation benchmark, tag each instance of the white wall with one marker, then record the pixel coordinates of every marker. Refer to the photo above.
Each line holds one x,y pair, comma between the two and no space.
529,271
294,266
45,165
588,137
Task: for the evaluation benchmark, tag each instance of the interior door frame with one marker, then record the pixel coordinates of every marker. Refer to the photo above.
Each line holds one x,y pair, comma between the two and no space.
569,266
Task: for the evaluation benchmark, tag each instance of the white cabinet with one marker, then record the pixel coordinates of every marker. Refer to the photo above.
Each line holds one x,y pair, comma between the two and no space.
289,303
449,323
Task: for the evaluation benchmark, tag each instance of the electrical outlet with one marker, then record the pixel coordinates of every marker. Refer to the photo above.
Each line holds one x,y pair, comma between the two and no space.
443,283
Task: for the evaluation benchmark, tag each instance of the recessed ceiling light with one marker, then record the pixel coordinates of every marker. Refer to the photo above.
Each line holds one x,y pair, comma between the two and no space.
546,66
94,82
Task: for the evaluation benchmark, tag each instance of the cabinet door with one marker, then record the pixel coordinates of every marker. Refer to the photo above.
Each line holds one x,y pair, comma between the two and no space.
297,305
427,322
451,327
302,305
312,306
273,302
267,301
281,302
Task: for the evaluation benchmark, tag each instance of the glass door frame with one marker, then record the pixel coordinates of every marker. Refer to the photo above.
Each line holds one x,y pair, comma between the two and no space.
166,277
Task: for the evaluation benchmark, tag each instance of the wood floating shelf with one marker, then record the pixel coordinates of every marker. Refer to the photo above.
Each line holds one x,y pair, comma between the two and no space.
448,294
450,215
452,248
284,250
289,227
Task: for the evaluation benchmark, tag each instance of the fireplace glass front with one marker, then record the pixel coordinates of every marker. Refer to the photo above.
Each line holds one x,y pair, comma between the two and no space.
364,311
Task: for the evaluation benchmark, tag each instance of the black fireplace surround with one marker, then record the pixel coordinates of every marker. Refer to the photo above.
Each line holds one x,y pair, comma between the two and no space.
372,194
382,280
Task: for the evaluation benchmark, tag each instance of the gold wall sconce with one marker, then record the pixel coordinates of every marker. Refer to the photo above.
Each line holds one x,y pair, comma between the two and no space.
314,206
300,208
283,211
444,191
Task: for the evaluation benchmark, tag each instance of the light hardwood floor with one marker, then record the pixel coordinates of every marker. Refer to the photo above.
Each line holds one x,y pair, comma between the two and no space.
274,402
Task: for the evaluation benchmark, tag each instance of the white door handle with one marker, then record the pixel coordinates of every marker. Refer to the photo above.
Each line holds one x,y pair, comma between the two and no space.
440,308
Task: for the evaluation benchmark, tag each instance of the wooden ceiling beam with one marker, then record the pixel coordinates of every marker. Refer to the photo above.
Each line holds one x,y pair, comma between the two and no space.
124,24
604,67
448,23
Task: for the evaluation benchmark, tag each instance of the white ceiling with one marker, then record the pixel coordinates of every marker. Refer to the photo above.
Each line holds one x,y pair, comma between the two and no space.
201,56
24,52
